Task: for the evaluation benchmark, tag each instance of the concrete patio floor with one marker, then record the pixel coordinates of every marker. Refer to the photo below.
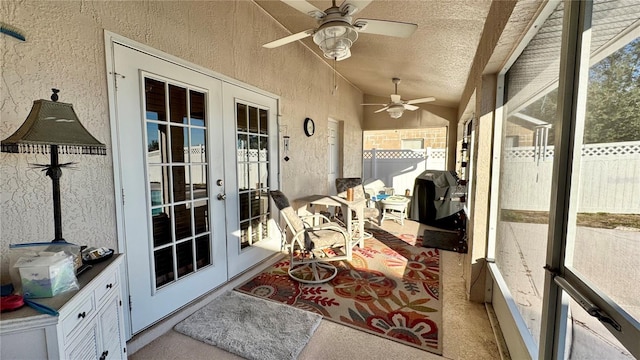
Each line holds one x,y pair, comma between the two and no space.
466,328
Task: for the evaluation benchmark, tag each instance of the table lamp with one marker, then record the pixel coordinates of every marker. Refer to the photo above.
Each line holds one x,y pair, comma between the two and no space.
53,127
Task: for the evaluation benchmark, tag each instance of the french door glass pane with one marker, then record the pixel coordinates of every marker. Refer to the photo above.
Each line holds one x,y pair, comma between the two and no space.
605,246
203,251
241,117
179,141
527,168
156,134
253,120
182,221
201,216
178,104
252,173
178,181
161,218
155,100
185,258
163,259
199,179
198,149
264,122
197,108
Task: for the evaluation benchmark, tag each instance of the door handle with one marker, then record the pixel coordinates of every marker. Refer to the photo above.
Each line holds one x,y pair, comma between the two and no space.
222,196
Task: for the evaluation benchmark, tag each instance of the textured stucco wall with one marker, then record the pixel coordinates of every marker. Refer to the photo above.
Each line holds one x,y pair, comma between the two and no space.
478,226
65,49
506,23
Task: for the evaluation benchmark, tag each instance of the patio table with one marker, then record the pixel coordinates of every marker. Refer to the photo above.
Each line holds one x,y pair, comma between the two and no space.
394,208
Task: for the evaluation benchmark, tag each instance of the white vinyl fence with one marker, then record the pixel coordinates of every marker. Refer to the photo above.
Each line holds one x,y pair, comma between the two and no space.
609,178
399,168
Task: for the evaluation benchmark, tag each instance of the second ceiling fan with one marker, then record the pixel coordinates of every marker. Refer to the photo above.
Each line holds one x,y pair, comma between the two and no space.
337,30
397,106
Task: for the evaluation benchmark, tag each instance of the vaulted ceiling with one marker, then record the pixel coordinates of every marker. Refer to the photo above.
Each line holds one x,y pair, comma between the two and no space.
434,61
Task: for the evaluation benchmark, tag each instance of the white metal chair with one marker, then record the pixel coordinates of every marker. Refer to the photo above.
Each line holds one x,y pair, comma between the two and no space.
311,248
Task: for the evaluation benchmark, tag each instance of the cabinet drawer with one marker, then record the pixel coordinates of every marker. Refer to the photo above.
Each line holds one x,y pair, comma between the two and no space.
107,286
79,316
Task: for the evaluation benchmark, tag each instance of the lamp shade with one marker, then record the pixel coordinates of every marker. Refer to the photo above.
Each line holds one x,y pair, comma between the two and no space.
52,123
52,127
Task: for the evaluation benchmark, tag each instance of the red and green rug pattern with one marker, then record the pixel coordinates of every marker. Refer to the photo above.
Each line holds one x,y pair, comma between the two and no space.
391,288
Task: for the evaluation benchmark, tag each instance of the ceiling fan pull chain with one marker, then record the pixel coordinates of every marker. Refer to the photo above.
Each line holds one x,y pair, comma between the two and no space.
334,89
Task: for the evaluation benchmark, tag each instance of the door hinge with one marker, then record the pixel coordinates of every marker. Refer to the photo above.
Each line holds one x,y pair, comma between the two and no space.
115,76
122,193
130,303
120,302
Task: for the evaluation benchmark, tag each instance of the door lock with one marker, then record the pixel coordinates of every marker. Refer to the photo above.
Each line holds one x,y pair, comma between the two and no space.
219,182
222,196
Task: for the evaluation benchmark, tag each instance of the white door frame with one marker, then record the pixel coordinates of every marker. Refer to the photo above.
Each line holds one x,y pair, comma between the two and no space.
112,81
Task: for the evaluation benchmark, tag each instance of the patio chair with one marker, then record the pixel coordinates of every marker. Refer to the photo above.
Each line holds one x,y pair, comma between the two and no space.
312,247
370,212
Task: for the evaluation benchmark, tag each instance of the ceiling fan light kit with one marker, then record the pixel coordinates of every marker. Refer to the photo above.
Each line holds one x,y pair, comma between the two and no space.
395,111
336,31
335,41
397,106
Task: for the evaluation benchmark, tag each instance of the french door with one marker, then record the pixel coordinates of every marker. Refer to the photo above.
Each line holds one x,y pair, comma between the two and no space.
251,171
170,144
196,157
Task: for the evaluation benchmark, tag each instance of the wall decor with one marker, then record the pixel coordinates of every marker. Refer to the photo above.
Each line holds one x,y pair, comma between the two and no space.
309,127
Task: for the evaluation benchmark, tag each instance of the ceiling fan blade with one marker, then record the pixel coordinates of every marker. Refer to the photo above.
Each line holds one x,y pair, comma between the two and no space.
289,39
305,7
385,27
421,100
381,110
354,6
411,107
395,98
375,104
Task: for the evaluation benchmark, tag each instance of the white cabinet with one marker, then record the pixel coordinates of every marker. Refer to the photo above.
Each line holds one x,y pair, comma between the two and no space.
90,324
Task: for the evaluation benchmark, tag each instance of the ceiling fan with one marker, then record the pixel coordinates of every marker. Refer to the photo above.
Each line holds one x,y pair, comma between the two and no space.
397,106
337,31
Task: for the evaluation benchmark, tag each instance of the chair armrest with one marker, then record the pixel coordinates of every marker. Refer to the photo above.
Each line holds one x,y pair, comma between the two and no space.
314,217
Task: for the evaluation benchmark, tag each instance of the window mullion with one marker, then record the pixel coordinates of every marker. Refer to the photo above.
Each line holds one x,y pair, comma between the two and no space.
572,60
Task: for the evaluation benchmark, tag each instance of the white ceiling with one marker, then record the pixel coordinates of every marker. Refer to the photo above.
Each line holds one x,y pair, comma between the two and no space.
434,61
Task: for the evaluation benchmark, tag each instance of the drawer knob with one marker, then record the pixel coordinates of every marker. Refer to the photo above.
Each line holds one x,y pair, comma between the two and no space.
104,355
109,285
82,315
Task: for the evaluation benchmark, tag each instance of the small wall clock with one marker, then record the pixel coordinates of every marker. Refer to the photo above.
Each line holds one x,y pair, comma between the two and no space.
309,127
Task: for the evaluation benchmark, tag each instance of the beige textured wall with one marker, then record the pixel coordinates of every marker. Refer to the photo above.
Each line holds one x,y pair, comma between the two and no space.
479,96
506,23
65,49
483,128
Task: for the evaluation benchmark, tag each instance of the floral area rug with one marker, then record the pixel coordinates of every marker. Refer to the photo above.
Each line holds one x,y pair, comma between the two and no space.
391,288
